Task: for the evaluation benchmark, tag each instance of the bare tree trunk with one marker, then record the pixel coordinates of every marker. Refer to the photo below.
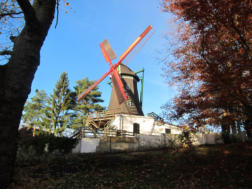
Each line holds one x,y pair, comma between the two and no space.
248,122
225,133
238,126
234,129
10,113
16,79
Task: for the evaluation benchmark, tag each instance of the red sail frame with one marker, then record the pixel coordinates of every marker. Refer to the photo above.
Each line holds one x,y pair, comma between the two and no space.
115,73
114,67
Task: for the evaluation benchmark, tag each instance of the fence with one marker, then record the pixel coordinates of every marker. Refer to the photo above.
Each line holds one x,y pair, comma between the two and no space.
87,133
115,143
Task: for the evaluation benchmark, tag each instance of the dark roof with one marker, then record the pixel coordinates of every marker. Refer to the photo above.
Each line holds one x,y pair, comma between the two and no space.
125,70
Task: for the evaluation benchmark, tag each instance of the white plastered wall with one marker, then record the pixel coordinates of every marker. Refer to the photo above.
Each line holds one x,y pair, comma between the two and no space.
148,126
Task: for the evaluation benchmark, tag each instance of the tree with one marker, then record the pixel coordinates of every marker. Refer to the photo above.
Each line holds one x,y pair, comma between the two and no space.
17,74
60,110
34,111
87,104
59,106
213,66
10,14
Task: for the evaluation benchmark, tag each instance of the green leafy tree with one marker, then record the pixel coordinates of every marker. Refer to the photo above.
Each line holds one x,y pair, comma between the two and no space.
34,111
88,104
59,106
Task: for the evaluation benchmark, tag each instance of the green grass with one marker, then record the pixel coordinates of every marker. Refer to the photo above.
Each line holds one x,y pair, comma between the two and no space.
220,166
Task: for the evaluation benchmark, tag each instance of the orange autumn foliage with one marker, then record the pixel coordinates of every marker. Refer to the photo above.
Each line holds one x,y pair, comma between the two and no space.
213,63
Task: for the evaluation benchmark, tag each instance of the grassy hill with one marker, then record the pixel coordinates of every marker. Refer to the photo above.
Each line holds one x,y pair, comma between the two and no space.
219,166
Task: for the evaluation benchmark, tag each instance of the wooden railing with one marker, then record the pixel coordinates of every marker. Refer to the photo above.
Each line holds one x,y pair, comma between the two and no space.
100,114
84,133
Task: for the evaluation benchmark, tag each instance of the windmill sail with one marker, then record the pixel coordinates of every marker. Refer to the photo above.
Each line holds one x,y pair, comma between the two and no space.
114,74
137,42
118,93
138,47
107,51
111,55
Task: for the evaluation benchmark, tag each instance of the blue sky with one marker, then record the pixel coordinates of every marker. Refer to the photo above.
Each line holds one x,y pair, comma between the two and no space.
73,47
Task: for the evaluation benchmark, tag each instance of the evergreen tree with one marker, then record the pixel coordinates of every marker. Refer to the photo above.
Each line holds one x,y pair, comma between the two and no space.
34,111
88,104
59,106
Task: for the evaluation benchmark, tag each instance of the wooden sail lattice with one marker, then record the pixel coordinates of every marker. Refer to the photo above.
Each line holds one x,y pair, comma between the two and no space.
138,47
107,52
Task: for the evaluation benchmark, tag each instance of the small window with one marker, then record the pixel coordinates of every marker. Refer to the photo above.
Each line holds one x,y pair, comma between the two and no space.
118,133
129,103
167,131
136,128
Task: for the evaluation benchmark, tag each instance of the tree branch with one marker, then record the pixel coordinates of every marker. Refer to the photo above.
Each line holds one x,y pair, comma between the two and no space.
242,39
29,12
10,14
242,101
5,52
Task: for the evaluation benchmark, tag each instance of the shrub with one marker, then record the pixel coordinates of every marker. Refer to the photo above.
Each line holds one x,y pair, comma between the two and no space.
40,145
186,139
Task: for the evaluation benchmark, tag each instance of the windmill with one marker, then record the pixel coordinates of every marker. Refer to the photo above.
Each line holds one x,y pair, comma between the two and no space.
124,96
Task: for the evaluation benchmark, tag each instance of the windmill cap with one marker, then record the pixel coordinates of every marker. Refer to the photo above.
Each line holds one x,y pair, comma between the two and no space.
125,70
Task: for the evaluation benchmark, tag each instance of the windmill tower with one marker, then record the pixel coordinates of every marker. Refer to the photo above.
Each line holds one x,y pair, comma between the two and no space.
130,106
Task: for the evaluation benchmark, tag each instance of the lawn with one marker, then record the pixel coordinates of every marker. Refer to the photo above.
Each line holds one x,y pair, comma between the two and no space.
219,166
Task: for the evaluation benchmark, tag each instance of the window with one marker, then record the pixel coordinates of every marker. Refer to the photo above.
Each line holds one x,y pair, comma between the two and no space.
167,131
129,103
136,128
118,133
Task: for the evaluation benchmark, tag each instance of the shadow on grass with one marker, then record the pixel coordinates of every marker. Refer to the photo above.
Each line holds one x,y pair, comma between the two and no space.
218,166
